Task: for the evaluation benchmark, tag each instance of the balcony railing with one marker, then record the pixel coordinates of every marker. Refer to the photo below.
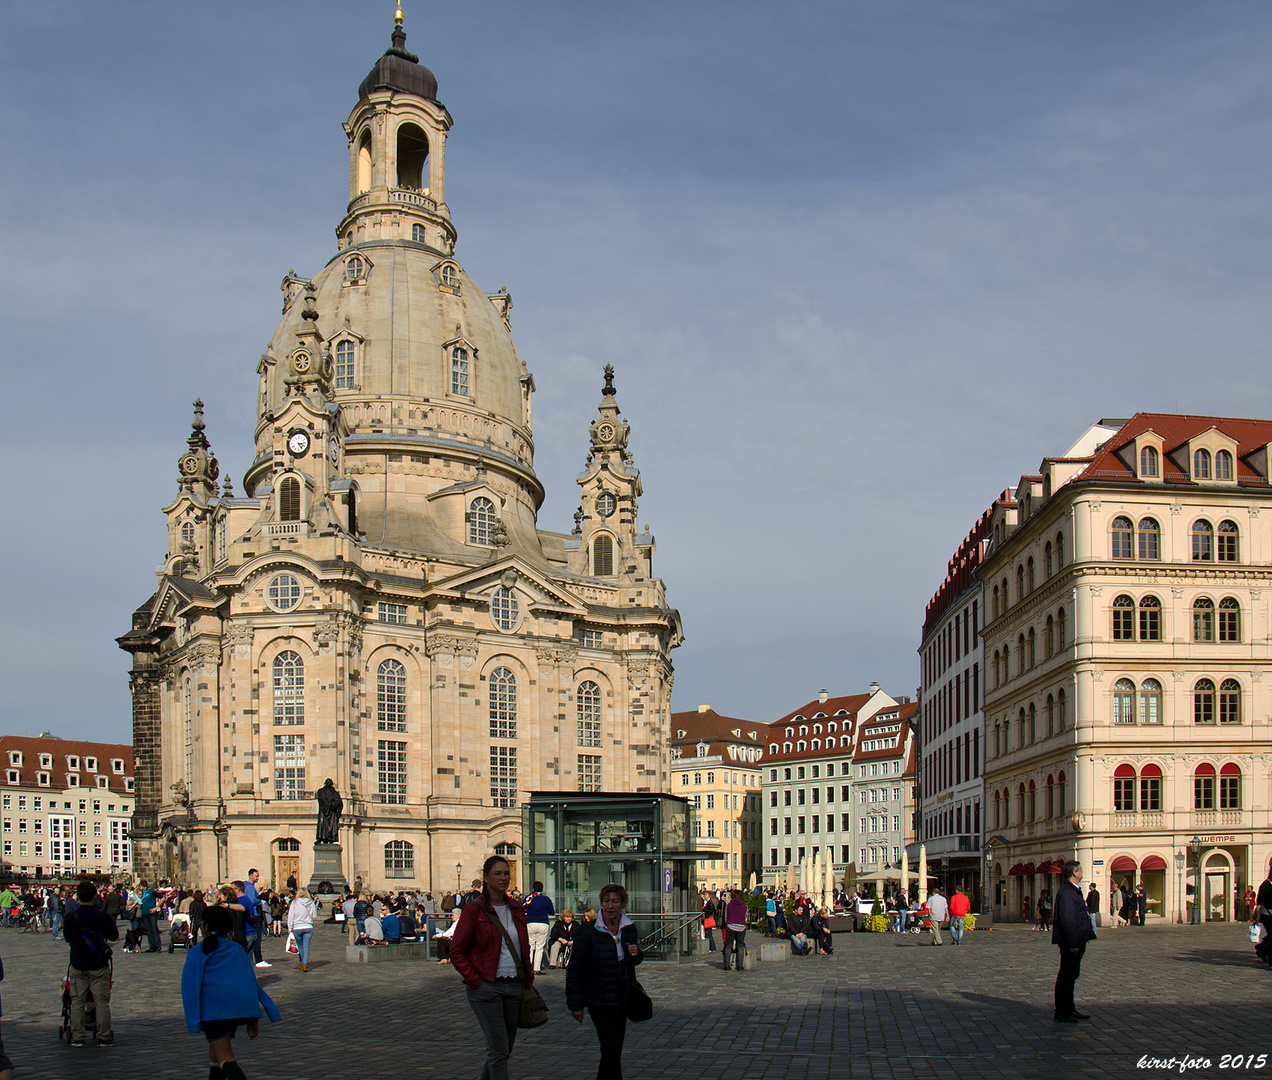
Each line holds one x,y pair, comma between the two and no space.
403,196
287,528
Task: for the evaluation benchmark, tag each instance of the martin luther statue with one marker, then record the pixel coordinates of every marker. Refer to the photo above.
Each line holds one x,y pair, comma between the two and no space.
330,804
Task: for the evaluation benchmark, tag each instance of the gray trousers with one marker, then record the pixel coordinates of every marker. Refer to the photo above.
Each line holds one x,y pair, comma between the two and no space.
98,981
497,1006
936,931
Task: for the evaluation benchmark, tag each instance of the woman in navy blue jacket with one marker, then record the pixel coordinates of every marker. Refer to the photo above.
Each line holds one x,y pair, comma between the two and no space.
219,991
600,972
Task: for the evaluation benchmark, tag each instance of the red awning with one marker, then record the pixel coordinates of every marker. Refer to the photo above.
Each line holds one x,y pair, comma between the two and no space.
1122,862
1153,862
1016,869
1051,866
1028,868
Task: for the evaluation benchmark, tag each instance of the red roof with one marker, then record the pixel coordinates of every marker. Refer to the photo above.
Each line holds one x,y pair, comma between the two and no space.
31,747
1175,431
829,707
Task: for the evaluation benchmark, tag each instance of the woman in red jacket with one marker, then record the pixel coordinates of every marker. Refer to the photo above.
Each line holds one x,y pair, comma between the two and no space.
479,952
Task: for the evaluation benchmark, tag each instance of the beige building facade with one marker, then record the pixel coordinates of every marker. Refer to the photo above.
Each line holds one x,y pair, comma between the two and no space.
1126,643
379,605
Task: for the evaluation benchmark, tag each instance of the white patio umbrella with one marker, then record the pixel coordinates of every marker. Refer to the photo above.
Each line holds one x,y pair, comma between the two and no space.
923,884
828,885
905,875
803,875
790,878
751,886
814,874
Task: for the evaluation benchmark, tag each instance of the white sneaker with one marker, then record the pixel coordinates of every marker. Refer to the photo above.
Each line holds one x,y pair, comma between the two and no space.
264,963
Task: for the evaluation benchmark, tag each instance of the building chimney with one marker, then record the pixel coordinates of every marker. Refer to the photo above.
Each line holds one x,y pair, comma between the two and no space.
874,687
704,708
822,695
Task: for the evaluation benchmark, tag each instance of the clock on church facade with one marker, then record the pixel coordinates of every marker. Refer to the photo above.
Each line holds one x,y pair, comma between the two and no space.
379,605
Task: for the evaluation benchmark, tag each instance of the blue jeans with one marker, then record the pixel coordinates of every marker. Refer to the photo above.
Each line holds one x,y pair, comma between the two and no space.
302,942
800,941
956,928
55,923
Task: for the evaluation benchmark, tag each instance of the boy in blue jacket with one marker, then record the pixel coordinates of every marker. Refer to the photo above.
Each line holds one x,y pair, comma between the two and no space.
220,992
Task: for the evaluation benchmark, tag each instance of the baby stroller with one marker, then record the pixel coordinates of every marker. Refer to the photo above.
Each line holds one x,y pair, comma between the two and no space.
90,1012
179,936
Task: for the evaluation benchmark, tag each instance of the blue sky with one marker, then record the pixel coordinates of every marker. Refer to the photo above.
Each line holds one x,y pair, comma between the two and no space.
858,266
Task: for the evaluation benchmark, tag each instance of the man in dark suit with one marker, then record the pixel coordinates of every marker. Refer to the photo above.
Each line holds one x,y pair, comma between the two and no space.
1070,930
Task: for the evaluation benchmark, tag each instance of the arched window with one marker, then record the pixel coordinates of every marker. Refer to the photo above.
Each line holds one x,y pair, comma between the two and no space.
1121,537
1228,541
1201,465
1060,707
1059,550
1150,702
289,688
1062,802
1230,787
603,556
1033,723
1123,702
450,276
1021,729
419,234
1051,715
1020,794
998,739
399,859
1030,573
997,679
1062,637
801,746
481,521
503,704
1203,541
1150,619
998,810
1223,465
412,155
1148,461
1204,702
1150,539
588,713
1047,560
995,601
459,371
1033,654
1124,788
1203,619
1051,796
1229,619
344,363
1150,779
1020,583
1123,619
1032,804
390,696
364,162
289,499
355,268
1204,787
1229,702
504,609
1050,639
1020,654
187,532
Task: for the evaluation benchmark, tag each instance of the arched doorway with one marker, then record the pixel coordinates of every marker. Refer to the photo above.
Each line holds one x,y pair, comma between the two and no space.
286,861
1218,873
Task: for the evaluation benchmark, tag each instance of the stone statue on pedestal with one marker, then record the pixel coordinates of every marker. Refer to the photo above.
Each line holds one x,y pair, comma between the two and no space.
330,804
328,876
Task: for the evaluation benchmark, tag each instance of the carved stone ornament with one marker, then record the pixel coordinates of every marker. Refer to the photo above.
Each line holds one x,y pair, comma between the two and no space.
556,657
509,579
203,654
443,648
1098,675
239,639
354,637
180,793
638,671
325,635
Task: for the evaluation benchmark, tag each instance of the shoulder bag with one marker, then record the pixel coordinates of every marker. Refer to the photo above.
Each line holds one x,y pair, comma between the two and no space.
637,1005
534,1010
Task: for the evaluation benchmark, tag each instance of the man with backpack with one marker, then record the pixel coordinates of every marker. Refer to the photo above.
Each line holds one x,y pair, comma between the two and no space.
89,932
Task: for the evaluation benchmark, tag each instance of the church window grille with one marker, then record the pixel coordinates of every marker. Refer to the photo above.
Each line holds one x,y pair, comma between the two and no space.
391,696
289,843
399,859
187,708
222,540
391,772
481,520
503,776
344,364
588,705
589,639
289,499
589,772
289,688
504,609
459,371
449,276
503,704
603,556
187,532
419,234
355,268
289,766
284,592
390,613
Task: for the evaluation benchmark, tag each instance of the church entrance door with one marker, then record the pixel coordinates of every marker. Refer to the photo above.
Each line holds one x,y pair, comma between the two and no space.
288,865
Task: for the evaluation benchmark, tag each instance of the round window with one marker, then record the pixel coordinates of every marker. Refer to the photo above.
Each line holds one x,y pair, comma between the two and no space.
284,592
504,610
606,503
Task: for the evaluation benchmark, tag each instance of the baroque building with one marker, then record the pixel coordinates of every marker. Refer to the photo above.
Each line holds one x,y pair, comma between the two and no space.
1126,642
379,605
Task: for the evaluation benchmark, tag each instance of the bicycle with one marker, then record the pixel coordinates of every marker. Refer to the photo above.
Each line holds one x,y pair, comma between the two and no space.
30,922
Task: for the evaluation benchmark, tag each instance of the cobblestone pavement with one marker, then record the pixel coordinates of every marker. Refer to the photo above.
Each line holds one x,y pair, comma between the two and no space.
883,1006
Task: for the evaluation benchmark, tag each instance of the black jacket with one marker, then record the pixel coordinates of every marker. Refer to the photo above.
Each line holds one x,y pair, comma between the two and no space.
1071,925
562,931
595,977
88,918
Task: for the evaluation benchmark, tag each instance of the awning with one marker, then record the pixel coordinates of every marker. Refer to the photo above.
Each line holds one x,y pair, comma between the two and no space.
1153,862
1016,869
1028,868
1124,862
1050,866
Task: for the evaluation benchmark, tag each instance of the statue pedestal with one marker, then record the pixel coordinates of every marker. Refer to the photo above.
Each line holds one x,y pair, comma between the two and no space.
328,877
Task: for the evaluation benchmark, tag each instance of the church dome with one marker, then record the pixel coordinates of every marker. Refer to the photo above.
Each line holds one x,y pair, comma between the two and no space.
400,70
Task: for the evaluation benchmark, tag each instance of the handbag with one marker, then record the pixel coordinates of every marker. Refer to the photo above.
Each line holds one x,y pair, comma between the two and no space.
534,1010
292,947
709,923
638,1006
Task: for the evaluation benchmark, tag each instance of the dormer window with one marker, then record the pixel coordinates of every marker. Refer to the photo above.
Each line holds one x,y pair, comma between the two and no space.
90,763
1201,465
117,765
459,371
42,778
450,277
103,781
72,780
345,355
46,761
702,749
356,268
15,757
72,762
1223,465
481,521
1150,462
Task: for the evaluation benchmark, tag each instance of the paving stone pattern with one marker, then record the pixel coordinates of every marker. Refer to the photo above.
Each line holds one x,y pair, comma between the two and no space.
884,1005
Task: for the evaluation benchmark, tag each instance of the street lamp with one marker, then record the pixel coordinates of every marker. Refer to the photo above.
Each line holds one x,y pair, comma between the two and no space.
459,870
1195,844
1179,873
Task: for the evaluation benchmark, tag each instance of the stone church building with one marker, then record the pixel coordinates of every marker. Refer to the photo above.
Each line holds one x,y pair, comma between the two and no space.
379,605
